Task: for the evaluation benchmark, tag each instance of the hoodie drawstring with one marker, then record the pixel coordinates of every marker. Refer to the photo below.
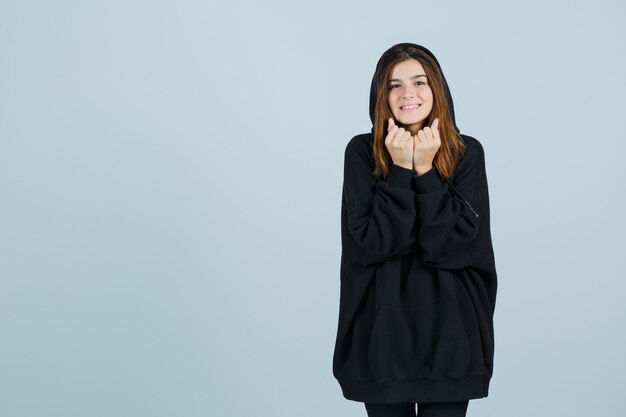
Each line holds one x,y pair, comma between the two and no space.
461,197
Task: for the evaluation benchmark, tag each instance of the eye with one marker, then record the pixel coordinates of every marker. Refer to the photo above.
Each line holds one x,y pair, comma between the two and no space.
392,86
420,82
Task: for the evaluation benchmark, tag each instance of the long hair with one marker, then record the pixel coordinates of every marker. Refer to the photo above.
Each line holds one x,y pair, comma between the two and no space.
452,146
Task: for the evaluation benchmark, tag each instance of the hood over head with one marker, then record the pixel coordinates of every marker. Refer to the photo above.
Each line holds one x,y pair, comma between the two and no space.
374,92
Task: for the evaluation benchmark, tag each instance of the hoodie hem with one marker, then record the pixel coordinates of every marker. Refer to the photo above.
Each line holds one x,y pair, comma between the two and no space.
370,391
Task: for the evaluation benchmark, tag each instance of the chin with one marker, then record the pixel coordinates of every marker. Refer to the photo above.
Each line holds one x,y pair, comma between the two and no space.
406,122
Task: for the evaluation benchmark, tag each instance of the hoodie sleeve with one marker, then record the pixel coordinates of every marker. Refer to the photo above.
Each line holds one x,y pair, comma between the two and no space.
450,223
380,215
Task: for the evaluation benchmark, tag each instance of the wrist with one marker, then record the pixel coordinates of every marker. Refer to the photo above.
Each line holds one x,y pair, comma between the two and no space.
405,166
422,169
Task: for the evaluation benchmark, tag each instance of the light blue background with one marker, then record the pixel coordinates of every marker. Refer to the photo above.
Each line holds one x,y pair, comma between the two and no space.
171,173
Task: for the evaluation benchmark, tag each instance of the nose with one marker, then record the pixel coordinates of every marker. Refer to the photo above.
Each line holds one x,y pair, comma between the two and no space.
408,92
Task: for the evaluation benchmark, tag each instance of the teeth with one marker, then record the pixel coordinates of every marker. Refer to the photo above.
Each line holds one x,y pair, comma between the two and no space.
409,107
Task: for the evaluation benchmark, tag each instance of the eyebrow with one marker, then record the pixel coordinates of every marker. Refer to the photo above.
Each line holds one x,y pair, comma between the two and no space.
412,78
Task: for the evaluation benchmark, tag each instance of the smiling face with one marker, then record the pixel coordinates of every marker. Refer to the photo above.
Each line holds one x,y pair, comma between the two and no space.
410,96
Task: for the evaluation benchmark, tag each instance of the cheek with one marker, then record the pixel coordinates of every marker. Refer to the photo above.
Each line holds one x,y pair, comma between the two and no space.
429,94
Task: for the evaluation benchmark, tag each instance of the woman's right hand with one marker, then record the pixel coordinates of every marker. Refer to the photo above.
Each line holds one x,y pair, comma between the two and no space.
399,143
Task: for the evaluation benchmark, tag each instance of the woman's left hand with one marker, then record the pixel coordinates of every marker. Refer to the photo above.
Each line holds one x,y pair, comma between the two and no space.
426,145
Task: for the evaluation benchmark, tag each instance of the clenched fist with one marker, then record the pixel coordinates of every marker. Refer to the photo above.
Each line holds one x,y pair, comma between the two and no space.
413,151
426,144
399,143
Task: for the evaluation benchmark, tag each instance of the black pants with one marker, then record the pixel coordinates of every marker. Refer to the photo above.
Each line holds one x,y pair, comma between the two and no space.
441,409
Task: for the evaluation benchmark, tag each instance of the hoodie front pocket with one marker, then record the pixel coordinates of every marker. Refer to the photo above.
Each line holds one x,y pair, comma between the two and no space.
418,342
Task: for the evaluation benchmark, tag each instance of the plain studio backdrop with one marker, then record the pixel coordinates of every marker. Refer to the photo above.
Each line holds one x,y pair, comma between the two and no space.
171,178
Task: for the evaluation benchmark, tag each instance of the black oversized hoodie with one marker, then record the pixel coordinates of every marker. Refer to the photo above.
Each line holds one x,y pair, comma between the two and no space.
418,279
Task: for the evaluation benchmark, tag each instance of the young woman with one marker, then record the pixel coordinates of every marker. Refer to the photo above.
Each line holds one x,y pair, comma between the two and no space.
418,276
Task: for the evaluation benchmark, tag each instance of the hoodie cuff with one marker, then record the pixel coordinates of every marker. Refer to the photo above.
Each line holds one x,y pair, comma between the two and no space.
400,177
428,182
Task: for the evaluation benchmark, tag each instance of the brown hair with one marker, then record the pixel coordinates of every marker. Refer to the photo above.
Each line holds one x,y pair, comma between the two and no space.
452,146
